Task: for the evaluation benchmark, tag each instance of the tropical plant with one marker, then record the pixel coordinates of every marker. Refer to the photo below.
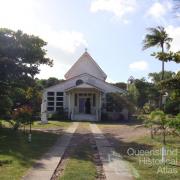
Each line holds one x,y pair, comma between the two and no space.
156,77
159,119
157,37
116,102
175,123
20,58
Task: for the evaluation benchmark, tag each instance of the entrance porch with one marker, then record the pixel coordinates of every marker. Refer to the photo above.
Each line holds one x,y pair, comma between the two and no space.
84,103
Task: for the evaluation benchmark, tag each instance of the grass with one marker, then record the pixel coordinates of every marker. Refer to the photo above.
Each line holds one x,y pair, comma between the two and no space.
80,166
17,155
51,124
149,166
39,125
156,170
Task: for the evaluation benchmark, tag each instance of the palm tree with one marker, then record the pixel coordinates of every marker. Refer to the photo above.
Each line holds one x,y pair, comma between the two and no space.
157,37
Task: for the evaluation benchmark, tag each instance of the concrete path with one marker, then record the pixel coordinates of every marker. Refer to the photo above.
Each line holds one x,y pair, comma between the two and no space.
45,167
115,168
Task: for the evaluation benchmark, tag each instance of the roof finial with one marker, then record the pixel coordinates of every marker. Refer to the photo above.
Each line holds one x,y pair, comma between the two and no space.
86,49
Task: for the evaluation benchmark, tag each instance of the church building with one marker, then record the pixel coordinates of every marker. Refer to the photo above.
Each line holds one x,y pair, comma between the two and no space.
81,95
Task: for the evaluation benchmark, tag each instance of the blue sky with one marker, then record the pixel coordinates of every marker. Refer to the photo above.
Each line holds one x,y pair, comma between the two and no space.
112,30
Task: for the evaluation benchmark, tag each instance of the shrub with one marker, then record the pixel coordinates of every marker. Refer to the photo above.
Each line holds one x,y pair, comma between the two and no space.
172,107
147,108
175,122
22,115
115,102
104,117
5,107
60,115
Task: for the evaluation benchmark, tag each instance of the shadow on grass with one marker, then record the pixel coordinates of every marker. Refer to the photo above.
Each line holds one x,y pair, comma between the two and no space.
130,122
14,146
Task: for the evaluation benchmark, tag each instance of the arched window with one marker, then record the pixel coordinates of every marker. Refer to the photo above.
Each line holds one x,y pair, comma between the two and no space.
78,82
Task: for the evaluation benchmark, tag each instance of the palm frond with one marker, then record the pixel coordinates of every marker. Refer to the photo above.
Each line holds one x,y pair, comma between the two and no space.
156,37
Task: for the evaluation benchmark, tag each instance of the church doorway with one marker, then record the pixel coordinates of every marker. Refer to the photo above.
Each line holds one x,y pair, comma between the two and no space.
84,105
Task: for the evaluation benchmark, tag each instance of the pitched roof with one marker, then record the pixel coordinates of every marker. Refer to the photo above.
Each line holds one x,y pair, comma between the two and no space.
84,86
86,64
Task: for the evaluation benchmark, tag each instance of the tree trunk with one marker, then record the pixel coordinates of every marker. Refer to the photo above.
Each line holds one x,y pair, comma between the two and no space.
152,137
162,78
164,136
164,147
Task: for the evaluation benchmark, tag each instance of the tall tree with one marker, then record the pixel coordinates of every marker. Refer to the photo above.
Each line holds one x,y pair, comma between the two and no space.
157,37
51,81
20,57
121,85
156,77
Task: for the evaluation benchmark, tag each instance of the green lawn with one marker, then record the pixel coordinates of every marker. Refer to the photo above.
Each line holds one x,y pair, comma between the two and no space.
17,155
80,166
145,169
38,125
51,124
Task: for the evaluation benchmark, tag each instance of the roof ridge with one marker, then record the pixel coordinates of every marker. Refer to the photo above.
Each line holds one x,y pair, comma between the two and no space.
92,60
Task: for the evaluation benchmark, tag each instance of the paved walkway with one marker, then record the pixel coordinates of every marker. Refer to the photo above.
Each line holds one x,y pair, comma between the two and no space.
45,167
115,168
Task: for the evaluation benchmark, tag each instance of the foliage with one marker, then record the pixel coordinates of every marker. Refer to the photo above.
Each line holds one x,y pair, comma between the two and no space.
169,56
5,106
33,96
162,122
20,57
22,115
172,86
156,37
172,106
158,117
141,92
147,108
171,83
156,77
18,96
104,116
60,115
133,93
121,85
117,102
45,83
175,122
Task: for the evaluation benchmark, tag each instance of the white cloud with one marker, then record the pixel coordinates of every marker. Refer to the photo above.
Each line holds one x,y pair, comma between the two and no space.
67,41
174,32
139,65
23,15
158,10
58,70
118,8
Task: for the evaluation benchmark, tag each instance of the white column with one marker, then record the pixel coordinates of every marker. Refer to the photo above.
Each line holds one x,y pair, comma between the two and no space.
69,105
100,105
